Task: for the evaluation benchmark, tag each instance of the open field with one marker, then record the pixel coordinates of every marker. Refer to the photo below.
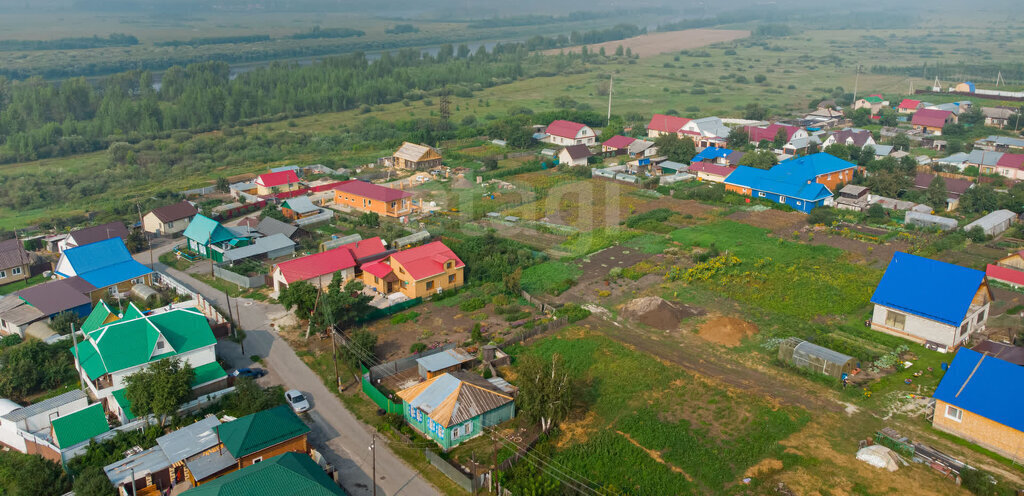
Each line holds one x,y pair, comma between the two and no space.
664,42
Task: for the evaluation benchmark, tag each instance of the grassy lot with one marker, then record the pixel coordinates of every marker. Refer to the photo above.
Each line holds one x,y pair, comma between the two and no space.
18,286
550,277
171,260
651,428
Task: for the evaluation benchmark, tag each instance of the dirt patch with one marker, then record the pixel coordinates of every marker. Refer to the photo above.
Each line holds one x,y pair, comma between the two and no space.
656,43
656,456
595,272
658,313
682,207
726,331
771,219
576,432
764,466
461,182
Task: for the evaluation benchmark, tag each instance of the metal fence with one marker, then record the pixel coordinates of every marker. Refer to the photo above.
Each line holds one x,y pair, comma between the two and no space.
377,397
250,282
455,474
324,216
198,191
393,309
202,304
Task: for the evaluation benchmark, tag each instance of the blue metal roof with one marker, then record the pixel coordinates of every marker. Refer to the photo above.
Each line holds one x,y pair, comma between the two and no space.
986,391
780,184
204,230
929,288
812,165
104,263
711,153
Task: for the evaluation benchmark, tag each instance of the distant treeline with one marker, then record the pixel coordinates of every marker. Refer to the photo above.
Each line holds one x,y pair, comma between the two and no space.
318,32
946,71
402,29
822,19
534,20
617,32
215,40
115,39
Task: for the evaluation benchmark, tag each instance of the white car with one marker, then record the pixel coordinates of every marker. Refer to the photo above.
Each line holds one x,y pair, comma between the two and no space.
296,400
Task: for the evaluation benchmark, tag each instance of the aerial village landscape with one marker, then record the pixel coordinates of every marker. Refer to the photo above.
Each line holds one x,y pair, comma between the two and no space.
736,253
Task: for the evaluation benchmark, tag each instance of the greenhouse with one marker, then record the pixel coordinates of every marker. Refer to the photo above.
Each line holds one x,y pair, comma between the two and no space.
813,357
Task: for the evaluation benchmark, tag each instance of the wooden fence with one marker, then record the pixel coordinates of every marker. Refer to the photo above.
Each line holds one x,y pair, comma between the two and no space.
541,305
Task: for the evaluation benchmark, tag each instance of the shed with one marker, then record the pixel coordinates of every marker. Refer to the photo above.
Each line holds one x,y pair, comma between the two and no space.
928,220
810,356
443,362
994,223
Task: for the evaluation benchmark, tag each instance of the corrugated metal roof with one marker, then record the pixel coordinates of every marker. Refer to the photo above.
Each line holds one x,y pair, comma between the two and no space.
13,254
262,246
189,440
411,239
822,352
978,384
443,360
80,426
139,465
45,405
929,288
452,398
992,220
210,463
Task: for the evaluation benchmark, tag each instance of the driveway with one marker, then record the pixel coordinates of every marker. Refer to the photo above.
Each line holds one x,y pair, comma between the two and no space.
342,438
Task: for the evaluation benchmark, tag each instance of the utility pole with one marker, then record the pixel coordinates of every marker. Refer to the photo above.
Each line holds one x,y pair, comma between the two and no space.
231,317
373,455
611,85
334,355
856,82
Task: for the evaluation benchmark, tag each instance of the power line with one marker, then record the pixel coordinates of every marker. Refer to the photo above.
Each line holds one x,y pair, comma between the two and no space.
561,471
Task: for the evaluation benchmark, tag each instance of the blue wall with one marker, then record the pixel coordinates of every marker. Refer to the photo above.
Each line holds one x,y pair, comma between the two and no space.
796,203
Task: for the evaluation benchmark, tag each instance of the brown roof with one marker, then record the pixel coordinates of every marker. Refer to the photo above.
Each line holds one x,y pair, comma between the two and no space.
57,296
101,232
955,187
578,151
170,213
1007,352
12,254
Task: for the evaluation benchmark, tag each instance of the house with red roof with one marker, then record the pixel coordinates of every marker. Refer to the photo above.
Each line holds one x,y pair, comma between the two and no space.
757,134
566,133
908,106
1010,166
617,143
319,268
662,124
369,197
931,121
277,182
416,272
708,171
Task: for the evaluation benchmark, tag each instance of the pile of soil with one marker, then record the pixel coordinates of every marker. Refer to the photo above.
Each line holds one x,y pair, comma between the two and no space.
658,313
727,331
461,182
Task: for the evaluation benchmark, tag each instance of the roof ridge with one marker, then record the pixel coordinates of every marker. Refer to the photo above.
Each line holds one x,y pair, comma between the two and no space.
488,390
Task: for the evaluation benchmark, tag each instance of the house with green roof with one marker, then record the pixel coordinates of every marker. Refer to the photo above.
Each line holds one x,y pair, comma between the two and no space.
210,239
254,438
79,427
288,474
116,346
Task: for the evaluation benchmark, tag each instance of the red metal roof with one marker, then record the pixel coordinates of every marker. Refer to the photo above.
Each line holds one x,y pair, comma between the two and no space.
428,260
366,247
330,261
909,104
618,141
768,133
710,168
378,268
564,129
667,123
272,179
1013,160
1004,274
930,117
371,191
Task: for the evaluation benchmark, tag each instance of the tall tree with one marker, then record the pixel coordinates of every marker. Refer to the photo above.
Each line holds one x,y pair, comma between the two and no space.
160,388
545,390
30,475
341,306
780,138
738,138
937,193
675,148
301,295
93,482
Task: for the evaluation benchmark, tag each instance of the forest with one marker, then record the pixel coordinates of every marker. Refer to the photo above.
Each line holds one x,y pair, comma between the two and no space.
115,39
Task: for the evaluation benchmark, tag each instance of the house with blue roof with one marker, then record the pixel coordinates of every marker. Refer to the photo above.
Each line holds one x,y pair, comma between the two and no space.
937,304
106,265
210,239
803,183
718,156
979,400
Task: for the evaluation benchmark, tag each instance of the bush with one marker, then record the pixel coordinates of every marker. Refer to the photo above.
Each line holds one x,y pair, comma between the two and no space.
417,348
822,215
573,312
404,317
473,304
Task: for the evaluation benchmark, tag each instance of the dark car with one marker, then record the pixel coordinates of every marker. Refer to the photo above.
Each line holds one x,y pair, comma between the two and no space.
252,373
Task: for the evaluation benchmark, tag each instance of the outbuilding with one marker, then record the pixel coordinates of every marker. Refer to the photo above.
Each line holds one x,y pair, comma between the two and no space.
928,220
810,356
994,223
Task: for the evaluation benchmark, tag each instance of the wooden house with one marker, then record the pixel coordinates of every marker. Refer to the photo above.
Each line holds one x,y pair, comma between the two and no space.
15,264
416,157
169,219
368,197
416,272
455,407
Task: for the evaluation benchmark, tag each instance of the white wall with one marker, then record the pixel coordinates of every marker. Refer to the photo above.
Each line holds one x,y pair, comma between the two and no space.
929,330
195,358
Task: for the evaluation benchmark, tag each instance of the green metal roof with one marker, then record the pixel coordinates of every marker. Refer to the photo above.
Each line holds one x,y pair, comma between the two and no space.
80,426
97,317
260,430
873,99
128,343
206,231
121,397
207,373
289,474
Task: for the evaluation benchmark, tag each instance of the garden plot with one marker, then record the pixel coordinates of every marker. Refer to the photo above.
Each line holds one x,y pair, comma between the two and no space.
771,219
594,279
584,204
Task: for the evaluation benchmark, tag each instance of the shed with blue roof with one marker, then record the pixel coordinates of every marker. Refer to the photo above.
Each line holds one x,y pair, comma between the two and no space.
979,400
803,183
106,265
934,303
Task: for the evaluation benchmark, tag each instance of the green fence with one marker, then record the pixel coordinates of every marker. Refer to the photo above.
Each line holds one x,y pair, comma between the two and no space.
378,397
393,309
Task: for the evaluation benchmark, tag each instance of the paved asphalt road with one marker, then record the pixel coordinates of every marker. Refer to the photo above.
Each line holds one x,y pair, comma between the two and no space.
336,433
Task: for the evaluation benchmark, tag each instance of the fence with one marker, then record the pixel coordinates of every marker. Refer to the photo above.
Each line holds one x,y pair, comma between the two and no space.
204,400
302,191
524,334
464,481
544,307
393,309
236,278
202,304
324,216
239,210
198,191
376,396
403,364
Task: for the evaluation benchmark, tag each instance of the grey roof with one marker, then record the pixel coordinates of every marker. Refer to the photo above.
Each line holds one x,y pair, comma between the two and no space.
443,360
13,254
822,352
1004,140
853,189
243,186
992,220
638,146
344,240
712,126
14,310
984,157
269,226
262,246
929,220
47,404
190,440
882,150
502,384
285,168
300,204
210,464
955,159
143,464
416,237
676,166
471,401
242,231
799,143
997,112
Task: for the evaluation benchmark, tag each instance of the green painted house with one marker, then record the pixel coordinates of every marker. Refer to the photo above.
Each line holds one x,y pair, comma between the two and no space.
210,239
454,407
290,474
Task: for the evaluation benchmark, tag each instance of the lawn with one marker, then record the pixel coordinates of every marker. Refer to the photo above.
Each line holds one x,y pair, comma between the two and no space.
652,428
550,277
18,286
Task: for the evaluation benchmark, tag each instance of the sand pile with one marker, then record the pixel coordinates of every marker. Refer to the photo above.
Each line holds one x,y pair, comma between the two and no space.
728,331
658,313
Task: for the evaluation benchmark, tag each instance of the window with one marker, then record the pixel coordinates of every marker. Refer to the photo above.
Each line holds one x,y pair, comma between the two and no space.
963,328
799,203
402,270
16,271
782,199
376,279
3,274
393,204
954,413
448,265
430,285
159,345
169,224
761,194
451,278
112,290
895,320
257,459
981,316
